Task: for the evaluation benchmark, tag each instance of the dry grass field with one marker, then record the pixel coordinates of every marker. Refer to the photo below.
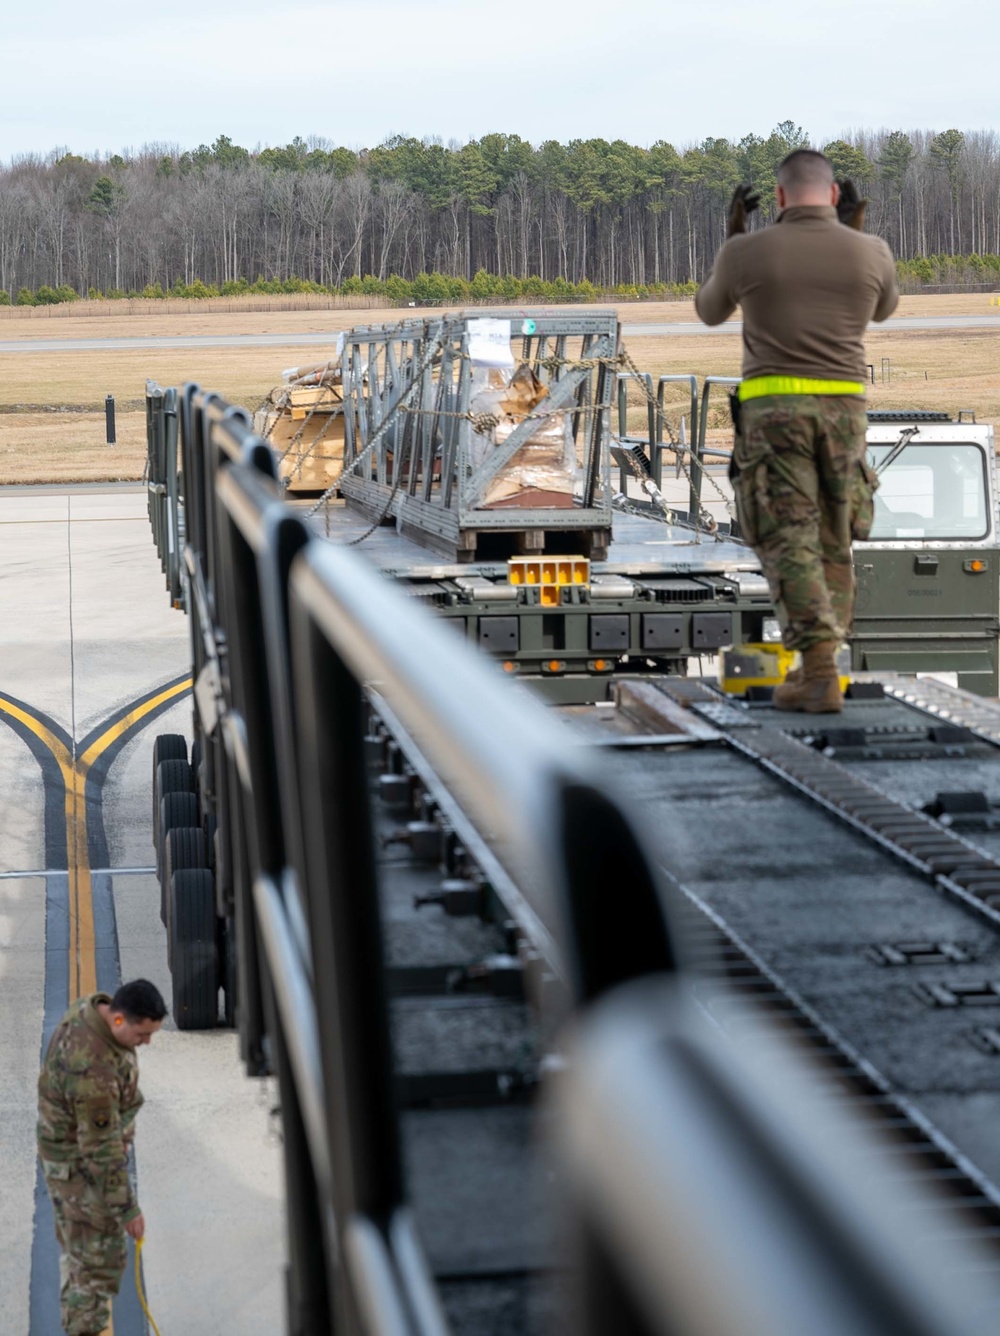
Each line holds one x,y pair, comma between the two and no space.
51,404
52,426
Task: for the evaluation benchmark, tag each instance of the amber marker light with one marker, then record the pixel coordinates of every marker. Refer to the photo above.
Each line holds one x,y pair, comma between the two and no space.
976,566
555,665
509,666
601,665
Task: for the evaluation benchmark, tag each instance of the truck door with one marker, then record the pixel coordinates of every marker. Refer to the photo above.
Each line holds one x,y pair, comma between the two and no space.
928,579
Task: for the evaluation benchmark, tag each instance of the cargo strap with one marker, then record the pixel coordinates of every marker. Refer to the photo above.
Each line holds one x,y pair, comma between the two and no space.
759,386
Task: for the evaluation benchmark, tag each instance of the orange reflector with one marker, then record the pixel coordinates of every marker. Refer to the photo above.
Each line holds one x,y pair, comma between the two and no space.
976,566
509,666
600,665
555,665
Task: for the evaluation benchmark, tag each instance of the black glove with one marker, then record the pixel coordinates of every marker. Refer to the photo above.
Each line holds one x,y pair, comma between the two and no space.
850,208
745,199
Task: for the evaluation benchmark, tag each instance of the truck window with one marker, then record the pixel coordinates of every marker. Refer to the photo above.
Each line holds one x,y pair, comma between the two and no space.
931,491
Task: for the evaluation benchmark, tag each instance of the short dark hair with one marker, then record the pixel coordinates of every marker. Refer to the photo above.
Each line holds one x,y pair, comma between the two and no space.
805,167
139,1000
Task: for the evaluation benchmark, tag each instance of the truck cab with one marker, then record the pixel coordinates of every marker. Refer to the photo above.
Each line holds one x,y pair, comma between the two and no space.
928,577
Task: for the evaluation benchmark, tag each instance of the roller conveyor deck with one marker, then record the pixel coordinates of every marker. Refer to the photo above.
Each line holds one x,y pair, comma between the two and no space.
808,837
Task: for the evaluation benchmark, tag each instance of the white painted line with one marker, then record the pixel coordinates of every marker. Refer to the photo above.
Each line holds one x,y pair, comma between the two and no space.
103,871
123,871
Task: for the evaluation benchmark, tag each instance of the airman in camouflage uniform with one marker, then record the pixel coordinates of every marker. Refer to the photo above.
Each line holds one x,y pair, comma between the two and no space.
803,493
88,1099
808,287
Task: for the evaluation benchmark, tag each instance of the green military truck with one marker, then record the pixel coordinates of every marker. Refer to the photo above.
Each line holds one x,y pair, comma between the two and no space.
929,576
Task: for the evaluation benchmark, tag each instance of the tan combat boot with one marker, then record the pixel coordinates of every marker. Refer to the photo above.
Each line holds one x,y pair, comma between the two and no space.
816,689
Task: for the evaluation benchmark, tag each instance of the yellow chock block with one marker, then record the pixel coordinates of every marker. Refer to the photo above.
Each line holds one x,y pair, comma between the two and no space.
766,664
759,664
555,571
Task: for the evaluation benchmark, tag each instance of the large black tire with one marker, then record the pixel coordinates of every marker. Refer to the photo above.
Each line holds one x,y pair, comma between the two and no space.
167,747
229,972
183,847
176,809
170,747
169,777
194,971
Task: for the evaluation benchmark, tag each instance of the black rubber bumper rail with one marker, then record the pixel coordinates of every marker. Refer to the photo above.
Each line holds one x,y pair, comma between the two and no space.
951,862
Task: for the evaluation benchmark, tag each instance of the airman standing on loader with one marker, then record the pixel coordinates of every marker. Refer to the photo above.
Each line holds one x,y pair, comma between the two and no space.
88,1099
808,287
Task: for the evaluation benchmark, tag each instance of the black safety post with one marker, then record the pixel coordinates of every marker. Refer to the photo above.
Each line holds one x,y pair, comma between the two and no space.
109,417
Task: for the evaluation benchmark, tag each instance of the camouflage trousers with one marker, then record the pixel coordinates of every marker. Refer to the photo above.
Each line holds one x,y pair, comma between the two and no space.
803,492
92,1255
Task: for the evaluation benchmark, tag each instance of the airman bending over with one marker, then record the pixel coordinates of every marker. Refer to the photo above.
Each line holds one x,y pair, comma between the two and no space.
88,1099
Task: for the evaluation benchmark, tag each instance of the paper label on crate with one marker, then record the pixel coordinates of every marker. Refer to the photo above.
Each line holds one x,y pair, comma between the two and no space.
489,343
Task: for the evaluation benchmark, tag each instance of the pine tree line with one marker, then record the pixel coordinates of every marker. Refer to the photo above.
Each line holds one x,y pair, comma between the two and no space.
612,216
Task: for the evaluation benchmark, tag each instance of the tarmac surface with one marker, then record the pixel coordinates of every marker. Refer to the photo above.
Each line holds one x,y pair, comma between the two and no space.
934,322
93,664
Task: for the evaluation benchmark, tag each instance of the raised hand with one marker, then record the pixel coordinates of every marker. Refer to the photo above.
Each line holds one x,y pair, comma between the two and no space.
850,207
745,199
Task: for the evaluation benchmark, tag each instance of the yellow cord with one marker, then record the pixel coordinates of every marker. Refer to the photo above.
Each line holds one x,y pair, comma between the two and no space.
138,1286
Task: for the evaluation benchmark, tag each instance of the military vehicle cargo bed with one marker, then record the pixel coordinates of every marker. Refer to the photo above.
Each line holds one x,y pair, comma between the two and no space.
667,595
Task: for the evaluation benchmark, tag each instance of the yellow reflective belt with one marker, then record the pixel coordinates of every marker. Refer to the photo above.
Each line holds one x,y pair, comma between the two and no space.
757,386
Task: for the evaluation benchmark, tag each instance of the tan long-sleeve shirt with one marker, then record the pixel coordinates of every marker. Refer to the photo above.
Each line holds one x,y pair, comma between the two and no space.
808,287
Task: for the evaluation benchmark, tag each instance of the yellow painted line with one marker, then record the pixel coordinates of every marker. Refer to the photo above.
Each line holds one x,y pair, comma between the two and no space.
129,721
58,749
74,770
83,943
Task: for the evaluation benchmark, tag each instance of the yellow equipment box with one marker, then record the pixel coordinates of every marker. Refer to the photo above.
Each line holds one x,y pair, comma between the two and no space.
549,575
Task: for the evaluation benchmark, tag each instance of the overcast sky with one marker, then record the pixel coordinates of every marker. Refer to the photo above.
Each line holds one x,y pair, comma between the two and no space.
113,75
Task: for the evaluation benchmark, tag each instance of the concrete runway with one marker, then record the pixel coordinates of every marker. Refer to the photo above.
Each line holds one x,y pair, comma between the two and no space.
931,322
93,664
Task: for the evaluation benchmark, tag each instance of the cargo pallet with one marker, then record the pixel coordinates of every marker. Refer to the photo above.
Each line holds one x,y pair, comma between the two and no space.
410,433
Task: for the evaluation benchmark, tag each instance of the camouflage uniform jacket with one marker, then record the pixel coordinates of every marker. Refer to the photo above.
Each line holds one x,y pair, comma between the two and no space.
88,1099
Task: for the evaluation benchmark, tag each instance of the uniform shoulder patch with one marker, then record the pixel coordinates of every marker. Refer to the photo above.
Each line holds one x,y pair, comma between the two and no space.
99,1113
